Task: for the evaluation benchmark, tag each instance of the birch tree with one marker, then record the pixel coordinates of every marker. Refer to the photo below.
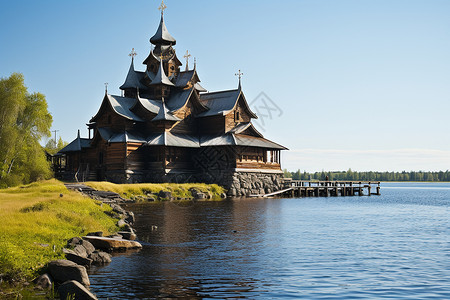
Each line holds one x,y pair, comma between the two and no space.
24,120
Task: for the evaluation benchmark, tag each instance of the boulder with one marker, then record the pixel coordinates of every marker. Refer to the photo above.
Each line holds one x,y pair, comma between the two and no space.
73,242
129,217
121,223
80,250
223,195
98,233
80,260
116,208
126,227
63,270
88,246
74,290
112,244
128,235
200,196
100,257
165,195
115,236
44,282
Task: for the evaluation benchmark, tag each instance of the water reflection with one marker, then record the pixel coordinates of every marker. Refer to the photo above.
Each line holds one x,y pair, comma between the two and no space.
392,246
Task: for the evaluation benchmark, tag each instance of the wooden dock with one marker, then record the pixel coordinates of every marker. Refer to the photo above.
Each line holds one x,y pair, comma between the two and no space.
303,188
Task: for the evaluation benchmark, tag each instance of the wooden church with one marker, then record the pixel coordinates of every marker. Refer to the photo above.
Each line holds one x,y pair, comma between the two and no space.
165,127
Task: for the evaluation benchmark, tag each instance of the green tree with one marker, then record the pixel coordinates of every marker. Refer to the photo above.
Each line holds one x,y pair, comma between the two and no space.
287,174
52,148
24,120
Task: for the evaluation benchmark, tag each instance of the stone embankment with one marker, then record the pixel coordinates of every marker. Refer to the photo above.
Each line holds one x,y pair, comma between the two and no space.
69,276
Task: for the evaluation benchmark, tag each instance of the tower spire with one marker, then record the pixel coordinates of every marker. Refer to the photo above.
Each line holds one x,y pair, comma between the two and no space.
239,74
187,56
162,35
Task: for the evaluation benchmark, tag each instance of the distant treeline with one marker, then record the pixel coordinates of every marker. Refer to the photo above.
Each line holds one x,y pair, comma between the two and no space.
370,176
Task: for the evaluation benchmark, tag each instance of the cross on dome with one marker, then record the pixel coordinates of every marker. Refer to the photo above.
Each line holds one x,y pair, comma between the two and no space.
239,74
162,7
187,56
132,53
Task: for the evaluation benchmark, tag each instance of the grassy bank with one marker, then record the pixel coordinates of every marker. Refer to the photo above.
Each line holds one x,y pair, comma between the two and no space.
36,222
148,190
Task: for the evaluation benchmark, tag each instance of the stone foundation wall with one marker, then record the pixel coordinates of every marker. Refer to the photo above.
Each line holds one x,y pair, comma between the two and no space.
237,183
251,183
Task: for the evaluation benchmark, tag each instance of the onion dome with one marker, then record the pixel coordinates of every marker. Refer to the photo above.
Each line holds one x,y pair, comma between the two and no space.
162,35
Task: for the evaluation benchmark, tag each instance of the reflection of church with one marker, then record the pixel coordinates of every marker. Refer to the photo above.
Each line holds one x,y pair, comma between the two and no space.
166,127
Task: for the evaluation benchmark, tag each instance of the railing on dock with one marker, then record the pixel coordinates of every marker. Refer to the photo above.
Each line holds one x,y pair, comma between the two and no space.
304,188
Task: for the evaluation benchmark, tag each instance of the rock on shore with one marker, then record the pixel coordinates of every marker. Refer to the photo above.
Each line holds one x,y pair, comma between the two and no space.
64,270
112,244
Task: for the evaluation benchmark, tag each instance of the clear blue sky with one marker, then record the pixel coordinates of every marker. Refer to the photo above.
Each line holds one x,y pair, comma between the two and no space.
358,84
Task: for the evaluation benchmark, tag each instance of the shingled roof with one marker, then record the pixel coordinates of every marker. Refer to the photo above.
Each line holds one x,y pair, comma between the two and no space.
222,103
76,145
162,35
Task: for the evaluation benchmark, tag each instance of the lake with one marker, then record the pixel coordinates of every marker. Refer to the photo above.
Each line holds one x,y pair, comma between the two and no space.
394,246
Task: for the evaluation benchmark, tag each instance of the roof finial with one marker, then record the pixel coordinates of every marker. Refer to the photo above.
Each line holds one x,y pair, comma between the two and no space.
132,54
162,7
106,88
239,74
187,56
195,63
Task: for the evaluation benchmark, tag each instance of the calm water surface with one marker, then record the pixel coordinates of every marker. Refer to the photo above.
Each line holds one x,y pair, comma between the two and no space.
394,246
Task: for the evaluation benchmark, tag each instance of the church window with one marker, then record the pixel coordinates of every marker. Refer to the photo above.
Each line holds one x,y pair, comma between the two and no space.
237,115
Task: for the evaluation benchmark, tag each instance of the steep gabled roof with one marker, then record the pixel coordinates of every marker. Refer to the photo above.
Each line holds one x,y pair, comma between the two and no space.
222,103
247,129
162,35
121,106
178,99
133,79
161,77
252,141
111,136
199,88
183,78
150,105
76,145
232,139
173,140
219,103
165,115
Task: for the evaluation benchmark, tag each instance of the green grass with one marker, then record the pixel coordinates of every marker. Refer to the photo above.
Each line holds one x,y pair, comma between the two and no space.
34,216
142,190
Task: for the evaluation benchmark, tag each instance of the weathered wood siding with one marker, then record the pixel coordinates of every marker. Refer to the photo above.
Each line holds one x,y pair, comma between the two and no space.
115,158
212,125
237,116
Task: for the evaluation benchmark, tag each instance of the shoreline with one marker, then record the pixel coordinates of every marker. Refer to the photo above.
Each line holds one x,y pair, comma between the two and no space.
53,192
